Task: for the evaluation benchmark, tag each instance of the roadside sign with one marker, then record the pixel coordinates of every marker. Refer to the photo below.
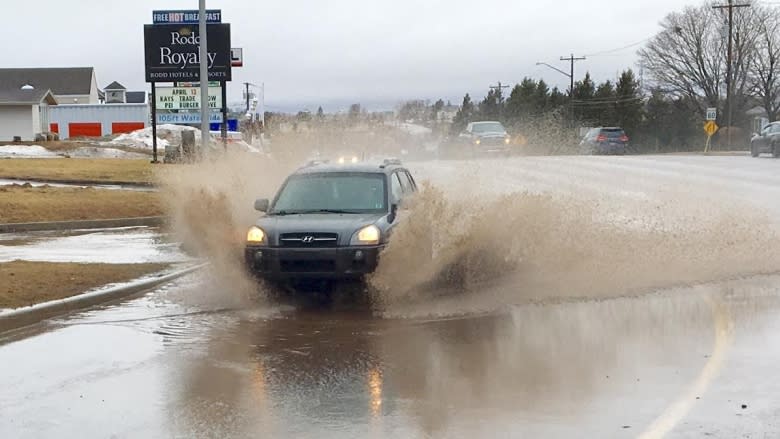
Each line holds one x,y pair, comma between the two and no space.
172,52
710,127
237,57
195,84
185,16
186,98
712,113
186,118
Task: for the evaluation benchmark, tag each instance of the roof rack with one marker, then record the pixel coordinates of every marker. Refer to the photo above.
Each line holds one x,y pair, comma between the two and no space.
390,161
315,163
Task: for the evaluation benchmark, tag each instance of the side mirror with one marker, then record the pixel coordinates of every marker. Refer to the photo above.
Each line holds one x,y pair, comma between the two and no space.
261,204
393,213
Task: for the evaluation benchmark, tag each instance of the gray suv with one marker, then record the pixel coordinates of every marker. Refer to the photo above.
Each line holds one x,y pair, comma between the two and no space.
328,221
768,140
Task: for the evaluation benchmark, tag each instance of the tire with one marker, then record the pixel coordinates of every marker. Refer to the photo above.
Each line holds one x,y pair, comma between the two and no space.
754,152
775,150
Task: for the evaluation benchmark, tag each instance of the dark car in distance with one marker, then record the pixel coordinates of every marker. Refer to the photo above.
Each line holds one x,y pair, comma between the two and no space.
486,137
767,141
328,221
605,140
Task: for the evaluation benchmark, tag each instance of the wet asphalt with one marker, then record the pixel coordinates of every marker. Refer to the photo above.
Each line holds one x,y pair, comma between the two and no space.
182,361
679,362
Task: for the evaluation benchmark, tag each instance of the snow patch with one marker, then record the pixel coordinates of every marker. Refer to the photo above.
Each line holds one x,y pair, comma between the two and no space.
26,151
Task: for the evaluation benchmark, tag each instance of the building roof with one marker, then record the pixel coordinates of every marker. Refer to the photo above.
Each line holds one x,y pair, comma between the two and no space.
60,80
115,86
26,97
135,97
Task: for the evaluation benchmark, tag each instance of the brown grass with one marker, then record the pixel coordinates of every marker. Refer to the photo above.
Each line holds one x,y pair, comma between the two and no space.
27,283
65,169
19,204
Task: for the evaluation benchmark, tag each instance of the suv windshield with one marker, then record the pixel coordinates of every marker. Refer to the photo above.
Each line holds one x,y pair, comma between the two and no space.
332,192
488,127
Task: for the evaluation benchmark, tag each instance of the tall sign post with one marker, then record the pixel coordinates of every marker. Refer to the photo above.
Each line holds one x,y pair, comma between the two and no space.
205,129
188,46
710,127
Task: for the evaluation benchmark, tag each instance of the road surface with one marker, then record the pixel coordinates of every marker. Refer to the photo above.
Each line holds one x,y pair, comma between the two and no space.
694,358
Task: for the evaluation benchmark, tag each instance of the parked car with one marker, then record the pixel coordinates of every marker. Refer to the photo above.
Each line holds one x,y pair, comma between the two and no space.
485,138
328,221
605,140
767,141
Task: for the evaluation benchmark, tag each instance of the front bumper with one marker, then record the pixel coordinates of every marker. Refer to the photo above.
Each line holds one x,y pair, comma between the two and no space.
321,263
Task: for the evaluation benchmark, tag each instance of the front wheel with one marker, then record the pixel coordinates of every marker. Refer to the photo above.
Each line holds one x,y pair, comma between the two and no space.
775,150
754,149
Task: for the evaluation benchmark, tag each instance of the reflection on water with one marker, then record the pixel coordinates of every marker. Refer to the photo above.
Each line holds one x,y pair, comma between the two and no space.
550,370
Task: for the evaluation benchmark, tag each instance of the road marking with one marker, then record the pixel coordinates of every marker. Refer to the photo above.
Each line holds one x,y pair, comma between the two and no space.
723,337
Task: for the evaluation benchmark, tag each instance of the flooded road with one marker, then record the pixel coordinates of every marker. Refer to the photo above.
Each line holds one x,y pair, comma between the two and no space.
681,361
649,310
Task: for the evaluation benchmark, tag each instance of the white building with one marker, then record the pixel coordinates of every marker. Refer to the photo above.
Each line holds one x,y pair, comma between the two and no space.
24,113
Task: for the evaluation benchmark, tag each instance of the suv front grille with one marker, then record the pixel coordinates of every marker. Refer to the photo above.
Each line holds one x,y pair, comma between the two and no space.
309,240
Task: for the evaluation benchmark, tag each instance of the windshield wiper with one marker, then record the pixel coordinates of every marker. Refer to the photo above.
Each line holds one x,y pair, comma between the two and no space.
310,211
324,211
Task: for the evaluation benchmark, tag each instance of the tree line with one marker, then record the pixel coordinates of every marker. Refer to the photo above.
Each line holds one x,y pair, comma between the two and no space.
685,66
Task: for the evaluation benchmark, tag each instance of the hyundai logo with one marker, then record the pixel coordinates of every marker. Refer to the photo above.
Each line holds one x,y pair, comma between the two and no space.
307,239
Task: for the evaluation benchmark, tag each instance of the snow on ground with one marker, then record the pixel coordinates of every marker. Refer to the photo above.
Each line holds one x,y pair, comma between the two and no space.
412,129
105,153
26,151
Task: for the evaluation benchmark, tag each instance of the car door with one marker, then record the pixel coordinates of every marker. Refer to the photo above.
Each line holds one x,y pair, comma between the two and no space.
763,137
773,137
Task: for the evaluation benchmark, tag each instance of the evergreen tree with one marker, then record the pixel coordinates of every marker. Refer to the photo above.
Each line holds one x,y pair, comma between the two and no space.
602,109
490,107
464,115
320,113
628,108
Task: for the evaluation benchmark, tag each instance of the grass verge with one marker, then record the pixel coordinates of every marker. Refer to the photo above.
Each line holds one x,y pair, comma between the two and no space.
77,170
26,283
21,204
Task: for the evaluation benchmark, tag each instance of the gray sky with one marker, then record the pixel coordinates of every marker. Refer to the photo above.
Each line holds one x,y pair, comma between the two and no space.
334,52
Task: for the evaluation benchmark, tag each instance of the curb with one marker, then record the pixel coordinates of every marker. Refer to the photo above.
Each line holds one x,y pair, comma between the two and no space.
21,317
82,224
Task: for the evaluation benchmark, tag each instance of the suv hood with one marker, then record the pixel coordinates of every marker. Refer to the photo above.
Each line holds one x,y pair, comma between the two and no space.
492,134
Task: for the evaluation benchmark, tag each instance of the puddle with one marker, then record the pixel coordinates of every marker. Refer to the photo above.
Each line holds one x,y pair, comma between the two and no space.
33,183
129,245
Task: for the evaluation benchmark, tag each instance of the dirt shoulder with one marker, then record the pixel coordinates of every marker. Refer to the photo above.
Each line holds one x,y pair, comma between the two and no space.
25,283
22,204
79,170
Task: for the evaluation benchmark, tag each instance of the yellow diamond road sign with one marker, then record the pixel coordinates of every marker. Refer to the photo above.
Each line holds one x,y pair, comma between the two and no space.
710,127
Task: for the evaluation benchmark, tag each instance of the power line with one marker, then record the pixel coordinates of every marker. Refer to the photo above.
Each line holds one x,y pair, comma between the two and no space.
610,51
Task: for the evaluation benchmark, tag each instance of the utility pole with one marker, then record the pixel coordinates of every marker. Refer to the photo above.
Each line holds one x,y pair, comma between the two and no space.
498,89
729,79
205,110
572,59
248,95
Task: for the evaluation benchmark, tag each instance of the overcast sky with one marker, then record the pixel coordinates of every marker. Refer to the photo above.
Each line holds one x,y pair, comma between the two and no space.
334,52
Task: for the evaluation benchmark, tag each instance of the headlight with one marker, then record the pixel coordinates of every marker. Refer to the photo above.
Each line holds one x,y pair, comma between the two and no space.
354,159
255,235
368,235
341,160
506,140
477,141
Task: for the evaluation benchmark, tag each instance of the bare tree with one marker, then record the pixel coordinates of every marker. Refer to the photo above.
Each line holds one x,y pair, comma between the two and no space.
765,69
688,57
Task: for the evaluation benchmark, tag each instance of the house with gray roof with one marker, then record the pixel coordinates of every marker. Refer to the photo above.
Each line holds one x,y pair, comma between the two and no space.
69,85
